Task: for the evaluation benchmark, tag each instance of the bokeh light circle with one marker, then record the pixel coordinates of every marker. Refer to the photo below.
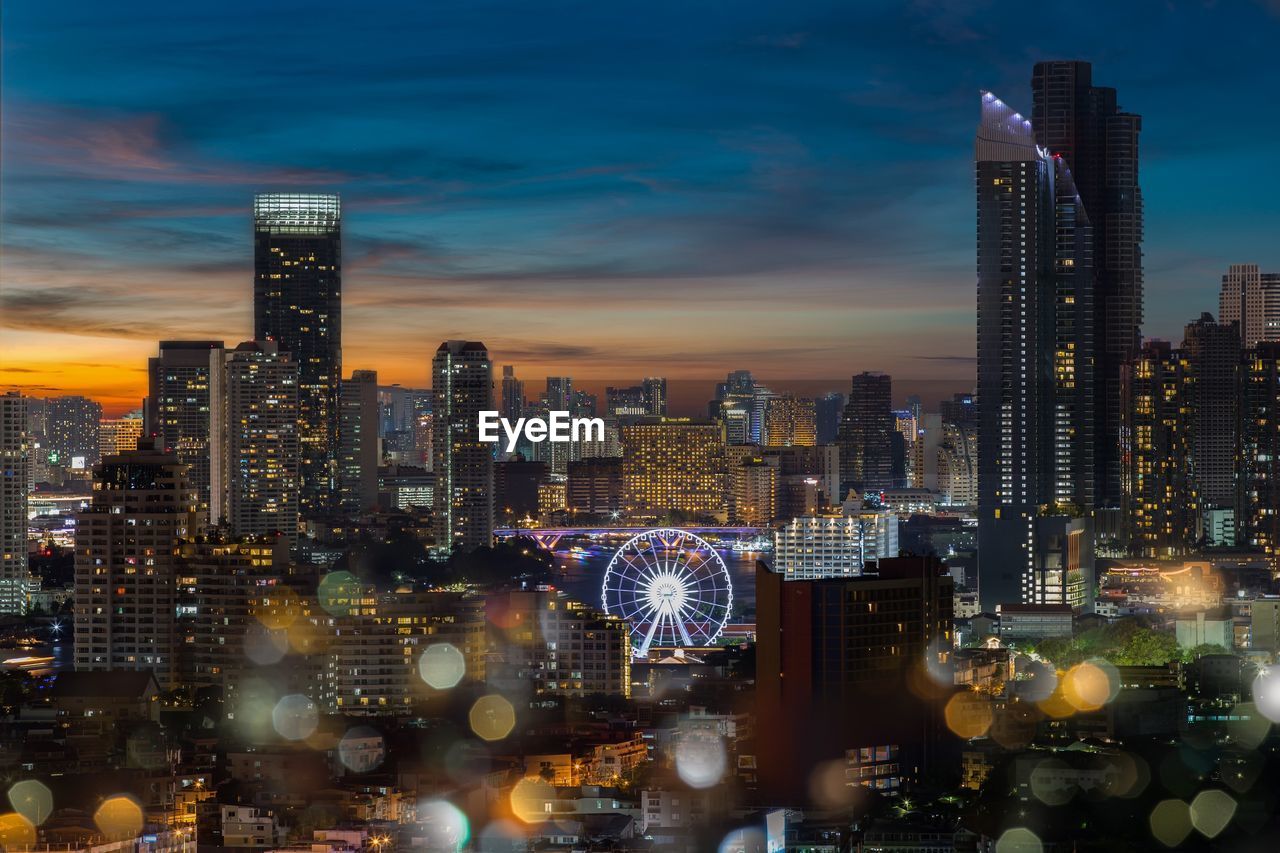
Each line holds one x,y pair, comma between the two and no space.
295,717
1171,822
1211,811
701,760
492,717
32,799
442,666
529,799
119,817
444,825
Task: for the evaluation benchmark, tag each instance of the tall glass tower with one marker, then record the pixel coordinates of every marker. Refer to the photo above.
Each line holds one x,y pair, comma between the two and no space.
297,302
1035,359
1083,124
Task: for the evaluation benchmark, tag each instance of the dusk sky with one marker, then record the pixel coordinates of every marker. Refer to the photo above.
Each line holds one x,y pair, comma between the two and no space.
604,190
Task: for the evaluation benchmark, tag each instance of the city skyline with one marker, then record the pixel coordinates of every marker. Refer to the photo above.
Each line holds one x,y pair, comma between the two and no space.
661,192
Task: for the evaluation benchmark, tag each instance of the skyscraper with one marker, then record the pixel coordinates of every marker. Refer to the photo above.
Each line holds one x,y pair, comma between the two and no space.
261,450
790,422
358,442
184,400
73,431
1035,404
512,394
1083,124
1161,501
1251,298
297,257
865,436
829,408
655,395
126,579
462,382
15,472
1213,355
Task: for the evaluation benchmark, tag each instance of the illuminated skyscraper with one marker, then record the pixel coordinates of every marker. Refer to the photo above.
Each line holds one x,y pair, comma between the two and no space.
358,442
790,422
15,474
126,581
261,450
1162,505
462,382
1098,142
1035,345
73,431
184,411
1213,354
673,464
297,303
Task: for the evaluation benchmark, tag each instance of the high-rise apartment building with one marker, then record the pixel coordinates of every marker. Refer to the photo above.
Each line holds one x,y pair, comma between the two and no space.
834,546
377,648
753,491
1213,355
72,436
184,410
358,442
261,450
1162,503
673,464
462,382
116,435
1098,142
15,476
126,577
626,401
790,421
222,582
542,642
1251,299
297,302
865,436
1035,401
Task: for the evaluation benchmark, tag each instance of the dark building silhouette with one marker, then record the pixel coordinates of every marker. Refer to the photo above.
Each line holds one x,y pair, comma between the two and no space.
844,657
1213,356
1083,124
515,489
829,409
866,436
595,485
297,302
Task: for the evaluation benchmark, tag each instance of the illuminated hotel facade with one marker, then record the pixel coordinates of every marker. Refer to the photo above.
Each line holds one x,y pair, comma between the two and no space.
297,302
673,464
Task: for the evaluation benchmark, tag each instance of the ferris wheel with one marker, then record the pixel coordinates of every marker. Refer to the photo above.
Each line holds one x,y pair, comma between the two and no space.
671,586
